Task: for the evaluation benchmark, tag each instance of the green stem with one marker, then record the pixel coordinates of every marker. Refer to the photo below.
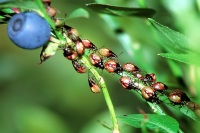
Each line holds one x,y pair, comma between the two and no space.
88,65
127,42
85,61
43,13
105,93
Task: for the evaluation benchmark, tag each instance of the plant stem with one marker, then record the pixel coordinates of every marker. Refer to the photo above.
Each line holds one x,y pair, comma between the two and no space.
43,13
110,105
126,40
88,65
105,93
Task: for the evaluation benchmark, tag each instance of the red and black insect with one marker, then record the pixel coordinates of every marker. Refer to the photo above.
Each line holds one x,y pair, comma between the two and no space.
69,53
94,87
113,66
127,83
71,33
197,112
192,105
51,11
149,94
178,97
129,67
89,45
159,86
107,53
138,75
79,67
149,78
47,2
96,60
80,48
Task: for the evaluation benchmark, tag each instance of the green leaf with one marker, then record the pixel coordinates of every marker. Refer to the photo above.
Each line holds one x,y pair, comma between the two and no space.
172,40
2,21
7,10
35,5
2,17
176,109
121,11
159,123
5,15
20,4
78,13
189,113
191,59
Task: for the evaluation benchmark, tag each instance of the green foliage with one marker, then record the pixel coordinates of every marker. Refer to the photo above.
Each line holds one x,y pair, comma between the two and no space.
179,46
191,59
24,4
78,13
153,122
61,85
176,109
121,11
7,10
4,15
172,40
184,110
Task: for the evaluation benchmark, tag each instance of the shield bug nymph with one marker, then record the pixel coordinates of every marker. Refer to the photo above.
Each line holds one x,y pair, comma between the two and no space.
96,60
80,48
113,66
79,67
149,78
160,87
149,94
71,33
127,83
107,53
192,105
89,45
178,97
70,53
129,67
94,87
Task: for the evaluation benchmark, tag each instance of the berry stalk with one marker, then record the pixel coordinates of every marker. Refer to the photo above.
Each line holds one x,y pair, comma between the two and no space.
44,14
105,93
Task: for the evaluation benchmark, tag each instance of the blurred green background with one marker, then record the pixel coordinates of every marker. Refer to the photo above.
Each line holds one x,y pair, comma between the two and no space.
54,98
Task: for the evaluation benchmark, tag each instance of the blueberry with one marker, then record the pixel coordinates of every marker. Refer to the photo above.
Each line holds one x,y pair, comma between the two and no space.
28,30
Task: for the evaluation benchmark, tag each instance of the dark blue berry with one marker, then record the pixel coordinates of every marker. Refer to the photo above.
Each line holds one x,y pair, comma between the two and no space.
28,30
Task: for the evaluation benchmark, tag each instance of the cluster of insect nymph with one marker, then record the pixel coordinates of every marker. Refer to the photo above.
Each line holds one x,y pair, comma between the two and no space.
131,77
